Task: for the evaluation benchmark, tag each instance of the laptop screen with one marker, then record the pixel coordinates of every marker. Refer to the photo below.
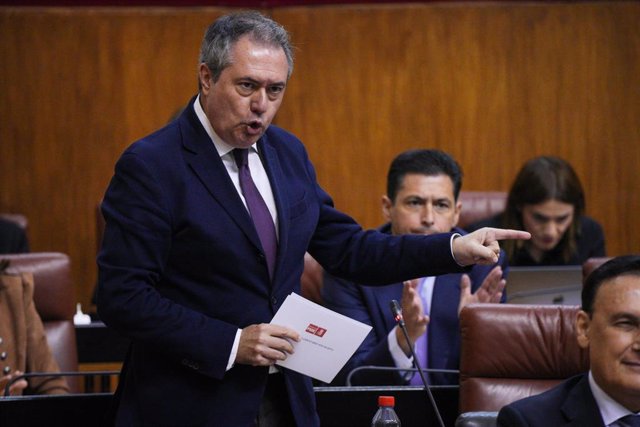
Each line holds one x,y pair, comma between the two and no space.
545,285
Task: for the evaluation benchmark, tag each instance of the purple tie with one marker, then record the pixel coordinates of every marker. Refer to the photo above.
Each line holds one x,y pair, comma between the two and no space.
421,344
258,210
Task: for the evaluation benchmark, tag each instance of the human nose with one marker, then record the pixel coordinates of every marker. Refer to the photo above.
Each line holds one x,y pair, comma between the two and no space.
259,101
550,229
636,342
427,215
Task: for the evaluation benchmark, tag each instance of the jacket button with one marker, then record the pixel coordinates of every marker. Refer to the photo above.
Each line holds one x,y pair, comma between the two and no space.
1,340
274,301
6,370
261,258
3,355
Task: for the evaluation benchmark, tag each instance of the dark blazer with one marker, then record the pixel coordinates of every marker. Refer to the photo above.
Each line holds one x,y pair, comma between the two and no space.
181,269
589,243
370,305
570,403
13,239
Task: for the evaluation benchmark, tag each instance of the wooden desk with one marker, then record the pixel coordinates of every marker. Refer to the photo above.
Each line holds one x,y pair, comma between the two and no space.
99,344
100,349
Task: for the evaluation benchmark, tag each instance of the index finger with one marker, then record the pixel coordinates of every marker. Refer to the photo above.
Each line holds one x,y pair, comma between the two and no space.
284,332
509,234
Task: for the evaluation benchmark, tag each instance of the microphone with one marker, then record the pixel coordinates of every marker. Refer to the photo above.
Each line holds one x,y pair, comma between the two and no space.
397,316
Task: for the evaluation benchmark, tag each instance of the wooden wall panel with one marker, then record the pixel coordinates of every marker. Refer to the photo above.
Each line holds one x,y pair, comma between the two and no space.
78,86
492,83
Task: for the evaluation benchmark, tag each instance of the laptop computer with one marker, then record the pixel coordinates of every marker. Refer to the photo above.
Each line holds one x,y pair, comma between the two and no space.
545,285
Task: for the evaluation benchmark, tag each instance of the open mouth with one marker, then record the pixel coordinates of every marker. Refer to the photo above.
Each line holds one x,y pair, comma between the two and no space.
255,125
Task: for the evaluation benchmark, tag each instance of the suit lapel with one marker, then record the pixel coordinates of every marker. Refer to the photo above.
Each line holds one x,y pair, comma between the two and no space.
382,295
446,292
202,157
580,407
277,181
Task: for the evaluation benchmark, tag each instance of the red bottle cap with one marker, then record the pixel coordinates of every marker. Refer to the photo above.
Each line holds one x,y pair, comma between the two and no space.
386,401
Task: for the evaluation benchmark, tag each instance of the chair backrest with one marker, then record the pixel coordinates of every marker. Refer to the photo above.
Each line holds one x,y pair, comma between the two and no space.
477,419
591,264
479,205
514,351
54,299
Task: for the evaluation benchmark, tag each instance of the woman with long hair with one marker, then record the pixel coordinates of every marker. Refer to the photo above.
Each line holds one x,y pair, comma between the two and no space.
547,200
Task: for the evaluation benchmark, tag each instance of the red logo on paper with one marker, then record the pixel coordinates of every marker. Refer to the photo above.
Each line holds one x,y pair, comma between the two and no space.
316,330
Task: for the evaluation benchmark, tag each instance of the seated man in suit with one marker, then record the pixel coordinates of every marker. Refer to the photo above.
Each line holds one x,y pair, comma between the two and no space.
609,326
422,198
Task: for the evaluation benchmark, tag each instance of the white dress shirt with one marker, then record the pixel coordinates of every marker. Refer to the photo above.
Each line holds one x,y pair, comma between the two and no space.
260,178
425,288
610,410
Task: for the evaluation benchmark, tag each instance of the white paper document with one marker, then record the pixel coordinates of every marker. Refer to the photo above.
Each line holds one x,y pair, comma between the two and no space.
327,339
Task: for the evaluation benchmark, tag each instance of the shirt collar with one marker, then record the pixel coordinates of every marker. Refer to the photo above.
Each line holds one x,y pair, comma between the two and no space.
221,147
610,410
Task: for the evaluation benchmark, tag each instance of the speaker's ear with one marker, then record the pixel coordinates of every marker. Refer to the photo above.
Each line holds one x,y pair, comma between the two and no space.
583,321
205,78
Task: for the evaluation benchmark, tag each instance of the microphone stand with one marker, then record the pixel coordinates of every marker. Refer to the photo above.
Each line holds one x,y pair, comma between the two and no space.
397,315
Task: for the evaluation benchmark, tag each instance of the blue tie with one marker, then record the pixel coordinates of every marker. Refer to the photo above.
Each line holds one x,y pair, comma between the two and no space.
258,210
422,342
629,421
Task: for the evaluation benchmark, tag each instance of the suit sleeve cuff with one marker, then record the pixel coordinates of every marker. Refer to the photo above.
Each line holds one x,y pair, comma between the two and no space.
399,358
454,236
234,350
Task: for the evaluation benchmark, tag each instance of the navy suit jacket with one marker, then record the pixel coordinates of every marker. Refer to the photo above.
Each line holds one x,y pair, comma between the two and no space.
370,305
570,403
181,269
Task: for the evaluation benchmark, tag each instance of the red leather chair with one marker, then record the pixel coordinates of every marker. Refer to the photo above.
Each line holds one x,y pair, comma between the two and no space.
514,351
591,264
479,205
55,302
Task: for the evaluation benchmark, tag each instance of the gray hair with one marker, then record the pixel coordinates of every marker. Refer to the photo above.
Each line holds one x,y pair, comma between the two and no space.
225,31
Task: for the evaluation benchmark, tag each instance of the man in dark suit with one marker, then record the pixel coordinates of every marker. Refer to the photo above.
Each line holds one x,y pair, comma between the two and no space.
609,326
207,223
422,198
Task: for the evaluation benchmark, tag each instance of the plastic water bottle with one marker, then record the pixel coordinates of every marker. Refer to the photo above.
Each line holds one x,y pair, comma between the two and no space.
386,415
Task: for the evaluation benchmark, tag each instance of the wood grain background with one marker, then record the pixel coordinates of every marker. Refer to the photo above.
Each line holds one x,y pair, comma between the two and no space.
494,84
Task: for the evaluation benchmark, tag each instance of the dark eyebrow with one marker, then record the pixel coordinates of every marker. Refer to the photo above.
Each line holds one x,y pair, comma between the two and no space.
247,79
625,316
413,197
443,199
540,216
545,218
258,83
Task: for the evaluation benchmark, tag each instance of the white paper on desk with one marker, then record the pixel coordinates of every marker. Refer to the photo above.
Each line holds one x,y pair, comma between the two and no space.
327,339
